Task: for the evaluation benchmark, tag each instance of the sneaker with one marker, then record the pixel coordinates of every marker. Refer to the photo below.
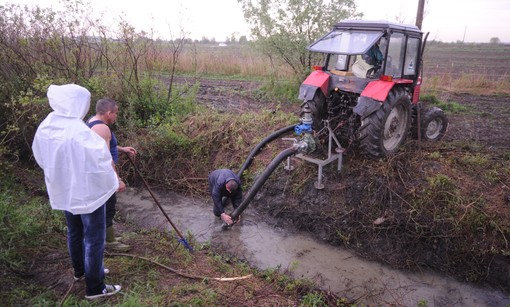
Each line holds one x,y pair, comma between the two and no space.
81,277
107,291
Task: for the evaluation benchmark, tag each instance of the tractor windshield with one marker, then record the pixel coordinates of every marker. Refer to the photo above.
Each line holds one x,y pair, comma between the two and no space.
346,42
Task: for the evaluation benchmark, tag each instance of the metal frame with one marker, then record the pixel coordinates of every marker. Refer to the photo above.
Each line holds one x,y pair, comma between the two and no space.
321,163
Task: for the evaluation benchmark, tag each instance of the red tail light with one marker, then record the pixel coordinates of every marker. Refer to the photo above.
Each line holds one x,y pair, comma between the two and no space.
386,78
317,67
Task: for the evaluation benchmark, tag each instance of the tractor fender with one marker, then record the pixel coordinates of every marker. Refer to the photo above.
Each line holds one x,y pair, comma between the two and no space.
378,90
317,79
372,97
366,106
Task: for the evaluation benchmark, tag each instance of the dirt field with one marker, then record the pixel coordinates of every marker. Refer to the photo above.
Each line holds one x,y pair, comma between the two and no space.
455,60
487,122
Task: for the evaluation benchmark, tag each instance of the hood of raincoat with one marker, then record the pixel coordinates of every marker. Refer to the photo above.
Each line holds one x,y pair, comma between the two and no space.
77,164
69,100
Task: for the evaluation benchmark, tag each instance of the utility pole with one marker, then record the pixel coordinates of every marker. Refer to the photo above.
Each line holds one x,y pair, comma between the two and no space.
419,15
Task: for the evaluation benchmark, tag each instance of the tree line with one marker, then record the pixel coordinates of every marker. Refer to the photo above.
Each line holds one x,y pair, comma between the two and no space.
40,46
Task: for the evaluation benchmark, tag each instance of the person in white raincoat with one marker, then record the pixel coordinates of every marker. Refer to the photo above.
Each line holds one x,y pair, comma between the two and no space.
79,177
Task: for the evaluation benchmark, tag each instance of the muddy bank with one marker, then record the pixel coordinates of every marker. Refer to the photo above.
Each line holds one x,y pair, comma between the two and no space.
332,268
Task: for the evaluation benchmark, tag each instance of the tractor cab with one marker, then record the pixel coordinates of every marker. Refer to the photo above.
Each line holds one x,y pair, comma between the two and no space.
371,50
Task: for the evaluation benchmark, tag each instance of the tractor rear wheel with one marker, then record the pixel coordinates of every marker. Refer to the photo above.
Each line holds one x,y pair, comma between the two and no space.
319,110
383,131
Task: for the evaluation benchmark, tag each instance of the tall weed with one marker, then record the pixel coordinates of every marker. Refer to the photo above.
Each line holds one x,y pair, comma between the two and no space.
153,107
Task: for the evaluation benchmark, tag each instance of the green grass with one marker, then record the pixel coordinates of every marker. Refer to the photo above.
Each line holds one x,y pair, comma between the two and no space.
313,299
449,107
27,225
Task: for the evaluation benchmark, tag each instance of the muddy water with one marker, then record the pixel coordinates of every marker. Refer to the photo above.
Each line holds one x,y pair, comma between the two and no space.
332,268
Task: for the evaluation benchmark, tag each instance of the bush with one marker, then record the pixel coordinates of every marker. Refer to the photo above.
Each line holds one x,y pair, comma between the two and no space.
24,111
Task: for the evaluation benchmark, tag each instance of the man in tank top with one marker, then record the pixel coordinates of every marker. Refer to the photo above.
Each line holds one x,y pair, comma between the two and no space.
106,114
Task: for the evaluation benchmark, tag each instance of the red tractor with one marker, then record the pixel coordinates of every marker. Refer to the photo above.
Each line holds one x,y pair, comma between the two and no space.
366,91
368,88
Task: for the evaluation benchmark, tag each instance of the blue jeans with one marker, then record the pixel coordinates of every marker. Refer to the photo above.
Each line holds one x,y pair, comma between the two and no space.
85,240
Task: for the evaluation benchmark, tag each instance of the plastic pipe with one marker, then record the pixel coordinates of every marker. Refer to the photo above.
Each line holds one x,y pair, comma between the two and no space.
261,179
263,143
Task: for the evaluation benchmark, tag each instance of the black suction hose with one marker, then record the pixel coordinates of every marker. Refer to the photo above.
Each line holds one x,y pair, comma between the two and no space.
255,150
262,178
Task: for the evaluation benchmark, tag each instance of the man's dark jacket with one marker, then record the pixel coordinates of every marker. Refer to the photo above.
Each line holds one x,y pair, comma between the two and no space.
217,186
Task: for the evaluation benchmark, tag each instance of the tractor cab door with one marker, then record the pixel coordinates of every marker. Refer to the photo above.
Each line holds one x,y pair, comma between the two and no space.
402,60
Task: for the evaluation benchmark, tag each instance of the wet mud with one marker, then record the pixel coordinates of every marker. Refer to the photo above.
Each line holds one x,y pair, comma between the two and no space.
332,268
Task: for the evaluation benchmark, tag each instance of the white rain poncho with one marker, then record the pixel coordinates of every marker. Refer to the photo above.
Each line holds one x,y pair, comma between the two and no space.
76,161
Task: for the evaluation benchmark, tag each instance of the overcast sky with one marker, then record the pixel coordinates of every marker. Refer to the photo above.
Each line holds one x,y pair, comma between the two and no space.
446,20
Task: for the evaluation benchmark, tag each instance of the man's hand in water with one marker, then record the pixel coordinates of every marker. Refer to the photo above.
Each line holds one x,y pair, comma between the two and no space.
226,218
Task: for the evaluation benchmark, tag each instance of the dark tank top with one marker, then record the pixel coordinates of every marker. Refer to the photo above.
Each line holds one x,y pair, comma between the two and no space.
114,151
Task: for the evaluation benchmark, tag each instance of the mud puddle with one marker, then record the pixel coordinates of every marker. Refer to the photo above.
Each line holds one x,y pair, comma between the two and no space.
332,268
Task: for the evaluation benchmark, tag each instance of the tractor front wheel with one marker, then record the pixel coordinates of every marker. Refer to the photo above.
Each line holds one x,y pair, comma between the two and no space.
384,131
433,124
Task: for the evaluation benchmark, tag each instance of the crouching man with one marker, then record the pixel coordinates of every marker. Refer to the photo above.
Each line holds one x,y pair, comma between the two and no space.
224,184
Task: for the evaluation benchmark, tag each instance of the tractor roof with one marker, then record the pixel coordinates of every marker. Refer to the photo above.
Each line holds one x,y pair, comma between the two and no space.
375,25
